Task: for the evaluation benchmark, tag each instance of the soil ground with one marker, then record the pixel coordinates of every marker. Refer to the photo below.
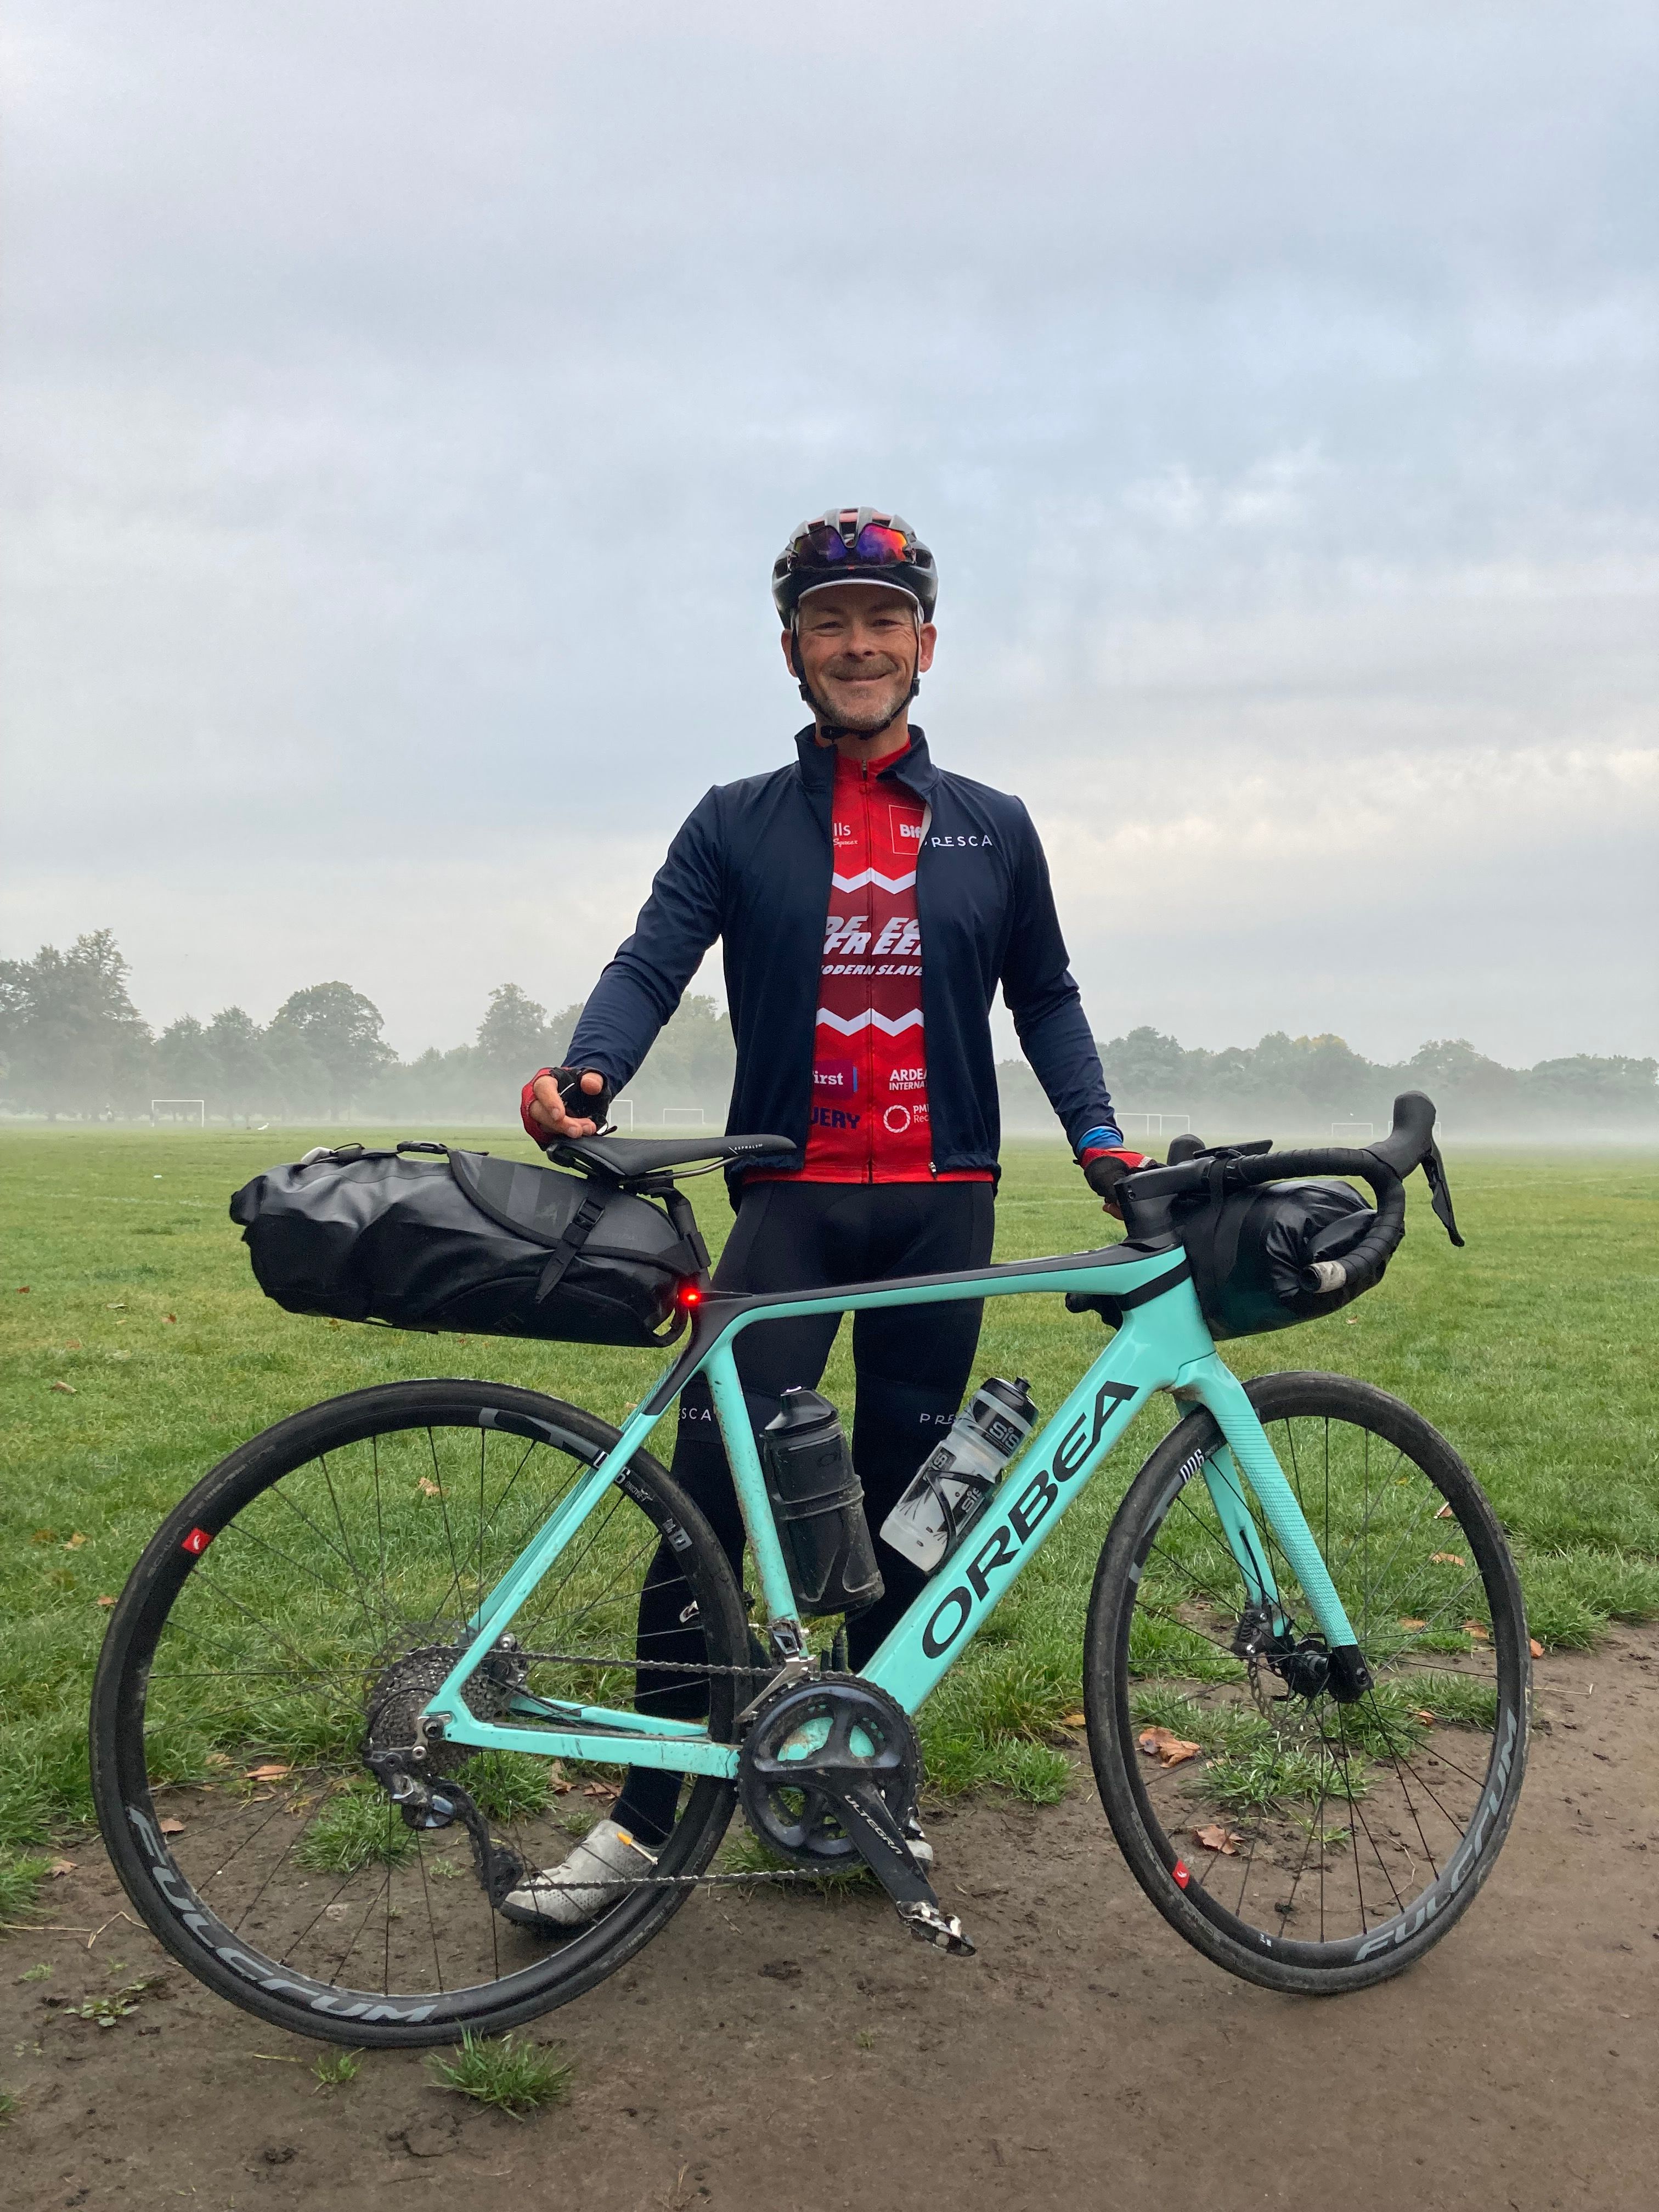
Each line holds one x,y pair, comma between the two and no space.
783,2051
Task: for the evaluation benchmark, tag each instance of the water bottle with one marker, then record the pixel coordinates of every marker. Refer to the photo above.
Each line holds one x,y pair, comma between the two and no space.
954,1482
817,1503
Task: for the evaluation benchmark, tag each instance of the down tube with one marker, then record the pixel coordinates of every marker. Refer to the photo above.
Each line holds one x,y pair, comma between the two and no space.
938,1627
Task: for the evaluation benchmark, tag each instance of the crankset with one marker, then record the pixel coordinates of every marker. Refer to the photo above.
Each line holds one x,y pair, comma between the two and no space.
828,1773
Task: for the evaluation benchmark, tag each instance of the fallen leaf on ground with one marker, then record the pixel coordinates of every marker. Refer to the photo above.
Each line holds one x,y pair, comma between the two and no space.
1214,1838
1171,1749
606,1790
22,1290
105,1601
170,1316
58,1869
74,1344
68,1388
218,1759
428,1488
1445,1514
121,1306
1447,1559
1422,1713
1534,1647
272,1771
171,1827
1478,1628
74,1543
1413,1624
1074,1720
44,1536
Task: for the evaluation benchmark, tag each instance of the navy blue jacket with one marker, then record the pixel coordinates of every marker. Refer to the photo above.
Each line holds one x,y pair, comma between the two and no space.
752,866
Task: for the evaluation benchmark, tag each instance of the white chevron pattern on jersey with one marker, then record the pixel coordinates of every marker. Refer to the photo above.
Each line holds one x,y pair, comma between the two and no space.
873,876
850,1024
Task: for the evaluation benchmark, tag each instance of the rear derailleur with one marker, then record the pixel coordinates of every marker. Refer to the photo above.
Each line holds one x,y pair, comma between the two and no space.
408,1758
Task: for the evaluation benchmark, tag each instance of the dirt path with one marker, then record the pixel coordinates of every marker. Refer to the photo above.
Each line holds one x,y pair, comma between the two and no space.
796,2055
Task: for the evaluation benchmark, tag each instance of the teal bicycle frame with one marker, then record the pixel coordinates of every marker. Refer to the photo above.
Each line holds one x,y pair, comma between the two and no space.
1162,1343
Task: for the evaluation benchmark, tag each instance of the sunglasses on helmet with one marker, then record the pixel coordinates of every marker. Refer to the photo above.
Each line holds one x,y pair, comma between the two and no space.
877,546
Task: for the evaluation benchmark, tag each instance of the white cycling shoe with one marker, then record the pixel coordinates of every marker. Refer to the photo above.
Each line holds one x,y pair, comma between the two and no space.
595,1876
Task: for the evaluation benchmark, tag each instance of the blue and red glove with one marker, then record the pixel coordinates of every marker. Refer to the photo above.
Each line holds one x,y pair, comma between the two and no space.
1104,1167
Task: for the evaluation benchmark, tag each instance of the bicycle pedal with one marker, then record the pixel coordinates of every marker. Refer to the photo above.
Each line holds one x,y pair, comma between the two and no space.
928,1924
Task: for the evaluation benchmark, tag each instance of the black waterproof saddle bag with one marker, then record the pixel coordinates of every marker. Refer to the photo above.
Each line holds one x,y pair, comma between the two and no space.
464,1242
1249,1248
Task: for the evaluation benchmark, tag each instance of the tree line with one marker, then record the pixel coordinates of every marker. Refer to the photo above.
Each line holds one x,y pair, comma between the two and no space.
73,1044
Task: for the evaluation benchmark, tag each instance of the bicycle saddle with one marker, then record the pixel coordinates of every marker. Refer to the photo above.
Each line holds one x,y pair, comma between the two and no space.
621,1159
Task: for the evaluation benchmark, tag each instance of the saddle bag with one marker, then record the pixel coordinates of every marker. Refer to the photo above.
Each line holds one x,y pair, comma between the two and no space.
1248,1249
464,1242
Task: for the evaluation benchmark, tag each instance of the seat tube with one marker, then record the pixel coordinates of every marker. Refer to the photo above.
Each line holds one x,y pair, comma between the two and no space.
738,1433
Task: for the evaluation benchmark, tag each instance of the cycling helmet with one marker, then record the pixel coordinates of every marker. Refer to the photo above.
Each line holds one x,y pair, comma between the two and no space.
854,545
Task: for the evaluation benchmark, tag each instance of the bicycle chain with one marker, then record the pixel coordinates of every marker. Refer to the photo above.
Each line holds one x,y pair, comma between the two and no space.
669,1880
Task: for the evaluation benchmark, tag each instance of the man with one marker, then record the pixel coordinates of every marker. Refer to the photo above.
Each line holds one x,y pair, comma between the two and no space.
868,904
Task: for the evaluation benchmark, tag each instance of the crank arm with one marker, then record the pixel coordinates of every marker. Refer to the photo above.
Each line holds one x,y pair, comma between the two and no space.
869,1825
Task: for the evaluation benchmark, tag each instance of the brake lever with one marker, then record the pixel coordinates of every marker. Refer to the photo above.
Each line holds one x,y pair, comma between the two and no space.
1434,1173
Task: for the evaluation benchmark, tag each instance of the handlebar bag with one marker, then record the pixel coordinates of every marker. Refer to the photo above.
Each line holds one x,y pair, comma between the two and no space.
1248,1250
490,1247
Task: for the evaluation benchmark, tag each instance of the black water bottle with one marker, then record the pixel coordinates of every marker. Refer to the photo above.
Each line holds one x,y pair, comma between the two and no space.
818,1502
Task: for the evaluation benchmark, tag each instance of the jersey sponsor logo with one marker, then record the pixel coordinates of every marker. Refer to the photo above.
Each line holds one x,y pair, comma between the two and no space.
839,1078
906,1079
904,826
1028,1513
899,936
985,844
845,933
831,1117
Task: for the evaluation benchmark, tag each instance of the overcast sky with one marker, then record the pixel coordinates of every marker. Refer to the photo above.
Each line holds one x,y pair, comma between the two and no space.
404,403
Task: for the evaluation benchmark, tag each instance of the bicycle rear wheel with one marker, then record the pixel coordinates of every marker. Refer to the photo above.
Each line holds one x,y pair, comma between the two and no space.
1299,1842
321,1575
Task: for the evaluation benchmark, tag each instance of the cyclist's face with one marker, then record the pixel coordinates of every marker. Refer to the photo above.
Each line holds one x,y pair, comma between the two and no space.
859,652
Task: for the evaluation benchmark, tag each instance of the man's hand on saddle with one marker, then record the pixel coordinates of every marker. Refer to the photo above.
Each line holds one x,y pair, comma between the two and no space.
554,1101
1104,1169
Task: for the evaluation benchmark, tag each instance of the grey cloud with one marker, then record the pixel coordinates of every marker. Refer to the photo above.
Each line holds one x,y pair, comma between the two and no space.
405,405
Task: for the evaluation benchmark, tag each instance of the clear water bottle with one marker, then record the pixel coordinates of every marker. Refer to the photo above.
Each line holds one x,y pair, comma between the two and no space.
955,1481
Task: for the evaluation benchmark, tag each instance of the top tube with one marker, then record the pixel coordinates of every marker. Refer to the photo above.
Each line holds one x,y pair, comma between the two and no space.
1130,1273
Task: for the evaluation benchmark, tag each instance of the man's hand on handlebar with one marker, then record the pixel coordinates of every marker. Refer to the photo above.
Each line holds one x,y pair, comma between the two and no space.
1103,1170
552,1103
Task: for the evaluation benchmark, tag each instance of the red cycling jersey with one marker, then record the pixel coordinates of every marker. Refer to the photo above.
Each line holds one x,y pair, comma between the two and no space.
869,1115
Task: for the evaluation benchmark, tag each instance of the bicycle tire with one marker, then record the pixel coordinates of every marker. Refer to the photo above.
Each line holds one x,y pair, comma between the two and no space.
147,1736
1413,1776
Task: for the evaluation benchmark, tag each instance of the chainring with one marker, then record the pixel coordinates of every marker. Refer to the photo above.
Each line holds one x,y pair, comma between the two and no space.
838,1724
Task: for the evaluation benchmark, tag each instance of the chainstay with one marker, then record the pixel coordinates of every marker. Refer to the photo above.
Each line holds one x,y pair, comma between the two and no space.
677,1880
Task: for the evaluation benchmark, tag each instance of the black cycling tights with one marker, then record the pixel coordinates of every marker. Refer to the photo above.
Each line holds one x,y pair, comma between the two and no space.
911,1364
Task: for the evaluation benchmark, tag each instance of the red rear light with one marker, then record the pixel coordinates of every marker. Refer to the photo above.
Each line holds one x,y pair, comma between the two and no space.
690,1295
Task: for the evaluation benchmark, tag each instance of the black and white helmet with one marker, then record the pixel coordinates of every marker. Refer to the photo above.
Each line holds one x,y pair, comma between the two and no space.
854,545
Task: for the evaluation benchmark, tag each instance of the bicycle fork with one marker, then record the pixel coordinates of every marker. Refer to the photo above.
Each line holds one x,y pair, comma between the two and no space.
1246,1455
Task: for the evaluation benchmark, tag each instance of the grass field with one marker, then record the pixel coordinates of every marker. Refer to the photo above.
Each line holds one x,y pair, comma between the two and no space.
139,1351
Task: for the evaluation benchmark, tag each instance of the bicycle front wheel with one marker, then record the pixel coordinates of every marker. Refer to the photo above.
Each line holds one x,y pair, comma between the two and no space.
308,1596
1301,1843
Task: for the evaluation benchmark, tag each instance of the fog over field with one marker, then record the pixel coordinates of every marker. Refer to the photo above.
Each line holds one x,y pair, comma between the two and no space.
404,403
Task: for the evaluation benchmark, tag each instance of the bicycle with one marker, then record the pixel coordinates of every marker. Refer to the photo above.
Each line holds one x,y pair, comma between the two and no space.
381,1658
